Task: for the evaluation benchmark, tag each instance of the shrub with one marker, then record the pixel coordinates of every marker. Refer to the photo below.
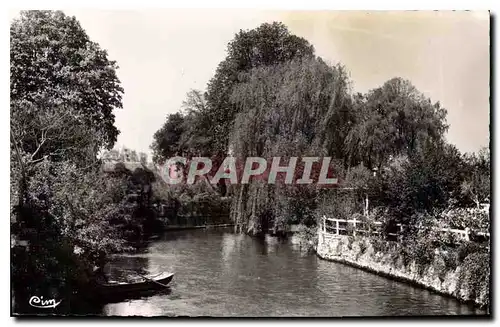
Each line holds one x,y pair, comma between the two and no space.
424,254
468,248
474,275
395,255
378,244
307,236
419,248
450,259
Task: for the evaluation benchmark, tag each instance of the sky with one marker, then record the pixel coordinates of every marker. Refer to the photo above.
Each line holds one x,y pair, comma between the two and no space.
164,53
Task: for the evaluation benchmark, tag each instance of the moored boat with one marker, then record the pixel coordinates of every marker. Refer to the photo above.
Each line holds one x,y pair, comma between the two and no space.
112,289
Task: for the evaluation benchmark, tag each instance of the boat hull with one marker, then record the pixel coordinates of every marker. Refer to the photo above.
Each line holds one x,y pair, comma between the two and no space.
131,290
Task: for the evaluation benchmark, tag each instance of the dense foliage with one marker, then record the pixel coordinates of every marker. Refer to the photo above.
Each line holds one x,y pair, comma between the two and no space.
286,110
395,119
63,91
266,45
272,97
55,66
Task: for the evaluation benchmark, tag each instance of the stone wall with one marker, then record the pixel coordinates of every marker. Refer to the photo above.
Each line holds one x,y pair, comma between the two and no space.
359,252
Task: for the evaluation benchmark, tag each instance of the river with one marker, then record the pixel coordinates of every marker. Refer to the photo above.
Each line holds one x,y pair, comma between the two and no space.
219,273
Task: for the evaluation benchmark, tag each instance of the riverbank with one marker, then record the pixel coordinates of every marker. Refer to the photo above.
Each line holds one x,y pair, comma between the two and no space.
466,281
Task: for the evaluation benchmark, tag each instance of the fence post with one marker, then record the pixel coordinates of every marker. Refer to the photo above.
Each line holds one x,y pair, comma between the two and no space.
366,205
467,231
324,224
354,227
337,226
400,234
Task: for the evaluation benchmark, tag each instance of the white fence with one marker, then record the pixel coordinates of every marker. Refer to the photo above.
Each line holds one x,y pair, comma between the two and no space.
339,227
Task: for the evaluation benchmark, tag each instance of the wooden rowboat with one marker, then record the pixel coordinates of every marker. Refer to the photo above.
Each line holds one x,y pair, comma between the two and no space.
113,289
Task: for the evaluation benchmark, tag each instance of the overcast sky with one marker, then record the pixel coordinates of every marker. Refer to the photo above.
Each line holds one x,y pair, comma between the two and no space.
164,53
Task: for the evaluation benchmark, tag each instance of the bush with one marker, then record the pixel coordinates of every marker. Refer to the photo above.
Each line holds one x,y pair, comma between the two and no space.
450,259
474,275
378,245
395,252
423,254
468,248
362,248
307,236
419,248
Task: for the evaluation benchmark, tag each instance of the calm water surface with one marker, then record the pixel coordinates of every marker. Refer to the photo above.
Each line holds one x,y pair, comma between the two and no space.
218,273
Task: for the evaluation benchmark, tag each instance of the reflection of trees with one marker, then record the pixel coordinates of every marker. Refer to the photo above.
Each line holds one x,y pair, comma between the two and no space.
229,245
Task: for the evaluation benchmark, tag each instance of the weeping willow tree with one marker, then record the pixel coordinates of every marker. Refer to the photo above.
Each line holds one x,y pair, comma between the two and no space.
299,108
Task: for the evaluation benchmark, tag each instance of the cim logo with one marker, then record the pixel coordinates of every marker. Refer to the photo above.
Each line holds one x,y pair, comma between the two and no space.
39,302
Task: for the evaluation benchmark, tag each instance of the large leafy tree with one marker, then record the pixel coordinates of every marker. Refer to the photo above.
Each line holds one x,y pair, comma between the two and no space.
184,132
196,139
266,45
392,120
63,87
166,141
